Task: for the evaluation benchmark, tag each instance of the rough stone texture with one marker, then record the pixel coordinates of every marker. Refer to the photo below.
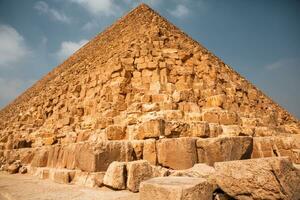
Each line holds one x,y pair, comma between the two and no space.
115,176
175,188
276,146
197,171
138,171
265,178
149,151
88,179
223,149
177,153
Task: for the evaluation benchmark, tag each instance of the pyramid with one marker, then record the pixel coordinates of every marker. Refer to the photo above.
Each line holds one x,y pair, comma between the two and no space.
144,90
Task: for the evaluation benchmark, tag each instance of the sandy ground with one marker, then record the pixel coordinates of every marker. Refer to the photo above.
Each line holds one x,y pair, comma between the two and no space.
26,187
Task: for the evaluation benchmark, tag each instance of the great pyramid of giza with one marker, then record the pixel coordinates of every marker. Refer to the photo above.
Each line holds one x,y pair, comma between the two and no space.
144,90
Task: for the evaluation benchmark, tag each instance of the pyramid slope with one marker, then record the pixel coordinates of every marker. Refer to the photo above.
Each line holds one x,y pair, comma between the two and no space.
140,65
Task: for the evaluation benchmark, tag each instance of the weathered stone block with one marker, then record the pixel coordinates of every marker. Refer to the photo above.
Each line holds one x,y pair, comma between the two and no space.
213,150
138,171
182,155
175,188
40,158
115,176
149,151
115,132
266,178
150,129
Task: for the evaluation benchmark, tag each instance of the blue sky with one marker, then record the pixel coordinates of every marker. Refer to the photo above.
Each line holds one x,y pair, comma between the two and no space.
259,39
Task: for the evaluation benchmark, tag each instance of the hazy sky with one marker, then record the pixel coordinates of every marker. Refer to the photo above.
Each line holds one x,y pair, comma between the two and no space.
259,39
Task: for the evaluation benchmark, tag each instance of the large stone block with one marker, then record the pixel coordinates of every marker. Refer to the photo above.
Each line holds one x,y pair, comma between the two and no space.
175,188
265,178
213,150
150,129
177,153
149,151
40,158
138,171
107,152
115,132
274,146
115,176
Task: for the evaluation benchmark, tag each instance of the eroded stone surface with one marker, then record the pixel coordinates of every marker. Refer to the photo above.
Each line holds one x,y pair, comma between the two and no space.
181,188
266,178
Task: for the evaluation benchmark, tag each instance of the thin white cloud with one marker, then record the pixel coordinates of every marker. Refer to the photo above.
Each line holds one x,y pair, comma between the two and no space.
99,7
10,88
283,63
43,8
67,48
180,11
12,46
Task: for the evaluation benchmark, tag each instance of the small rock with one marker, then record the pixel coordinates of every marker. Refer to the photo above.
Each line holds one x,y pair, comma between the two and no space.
23,170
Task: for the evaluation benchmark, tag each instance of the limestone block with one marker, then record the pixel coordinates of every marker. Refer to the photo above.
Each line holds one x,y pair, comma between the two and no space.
220,116
115,132
199,129
295,156
88,179
176,129
215,129
264,131
62,175
40,158
115,176
175,188
228,118
14,167
40,172
273,146
87,159
149,151
170,115
197,171
150,129
189,107
210,116
182,155
137,146
192,116
150,107
213,150
231,130
107,152
216,100
127,61
137,171
265,178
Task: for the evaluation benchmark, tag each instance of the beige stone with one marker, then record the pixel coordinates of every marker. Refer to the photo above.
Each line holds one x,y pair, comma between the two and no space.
175,188
150,129
197,171
115,176
115,132
40,158
138,171
182,155
149,151
266,178
213,150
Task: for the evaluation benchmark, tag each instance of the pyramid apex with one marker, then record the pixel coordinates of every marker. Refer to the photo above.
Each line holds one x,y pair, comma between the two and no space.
143,6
